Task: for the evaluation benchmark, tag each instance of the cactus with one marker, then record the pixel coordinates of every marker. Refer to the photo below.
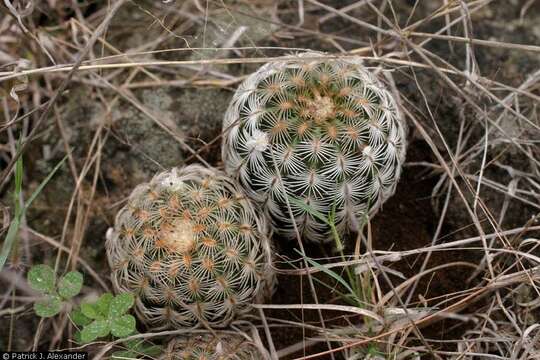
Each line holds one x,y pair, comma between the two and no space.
213,347
191,248
325,132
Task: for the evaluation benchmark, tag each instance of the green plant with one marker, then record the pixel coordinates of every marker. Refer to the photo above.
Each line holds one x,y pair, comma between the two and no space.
355,288
106,316
20,211
136,348
222,345
324,131
191,247
43,279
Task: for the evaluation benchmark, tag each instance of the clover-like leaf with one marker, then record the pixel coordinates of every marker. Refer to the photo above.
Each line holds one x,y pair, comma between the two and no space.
123,326
97,329
70,284
103,304
48,307
42,278
79,318
120,304
90,311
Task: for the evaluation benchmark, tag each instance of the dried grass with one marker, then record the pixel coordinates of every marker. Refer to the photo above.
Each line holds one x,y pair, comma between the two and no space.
486,169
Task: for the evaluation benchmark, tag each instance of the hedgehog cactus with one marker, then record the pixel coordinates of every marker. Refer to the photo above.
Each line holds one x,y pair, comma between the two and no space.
190,246
209,347
325,132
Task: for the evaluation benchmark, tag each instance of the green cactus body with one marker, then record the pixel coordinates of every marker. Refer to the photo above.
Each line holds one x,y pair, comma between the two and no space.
323,131
205,346
191,248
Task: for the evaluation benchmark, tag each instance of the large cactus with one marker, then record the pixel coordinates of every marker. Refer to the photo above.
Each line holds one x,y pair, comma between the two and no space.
191,247
325,132
221,346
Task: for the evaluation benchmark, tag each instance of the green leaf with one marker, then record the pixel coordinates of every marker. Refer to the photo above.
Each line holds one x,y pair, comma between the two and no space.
11,236
43,184
330,273
97,329
79,318
13,230
104,326
133,344
152,350
90,311
70,285
120,304
137,348
319,215
103,304
19,172
350,299
77,337
42,278
123,326
48,307
124,354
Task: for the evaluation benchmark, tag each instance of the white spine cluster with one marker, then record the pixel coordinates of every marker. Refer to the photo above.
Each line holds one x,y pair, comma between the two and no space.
191,247
323,131
218,346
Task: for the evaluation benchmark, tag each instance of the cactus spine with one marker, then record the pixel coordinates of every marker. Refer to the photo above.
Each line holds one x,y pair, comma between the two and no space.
323,131
190,246
207,346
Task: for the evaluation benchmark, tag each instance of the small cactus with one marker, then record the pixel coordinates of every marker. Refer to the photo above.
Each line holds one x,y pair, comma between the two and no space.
213,347
323,131
191,248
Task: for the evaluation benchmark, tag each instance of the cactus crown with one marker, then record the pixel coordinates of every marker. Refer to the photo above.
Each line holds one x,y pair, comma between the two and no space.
209,347
190,246
325,132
